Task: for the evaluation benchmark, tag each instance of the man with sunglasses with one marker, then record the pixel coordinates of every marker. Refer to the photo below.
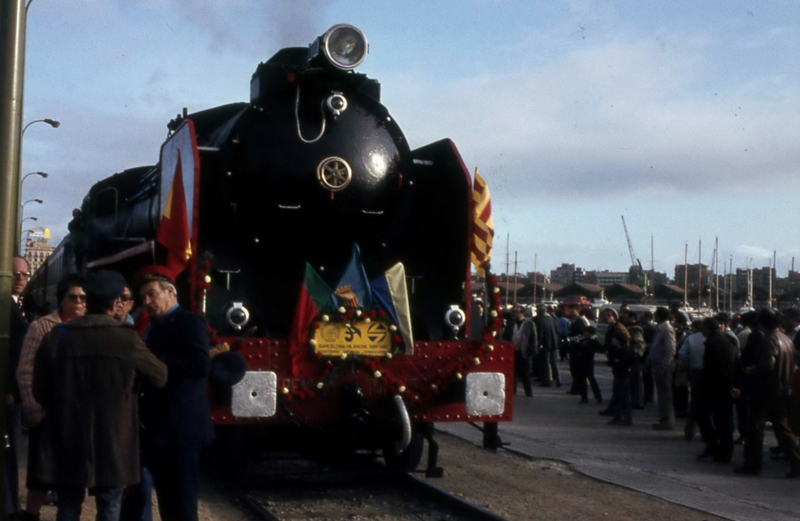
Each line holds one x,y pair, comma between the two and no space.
71,304
124,305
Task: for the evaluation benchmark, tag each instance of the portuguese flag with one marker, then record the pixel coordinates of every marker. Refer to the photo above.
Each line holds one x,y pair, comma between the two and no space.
314,298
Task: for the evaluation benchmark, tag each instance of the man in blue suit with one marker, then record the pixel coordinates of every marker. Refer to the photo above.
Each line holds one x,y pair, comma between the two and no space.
176,419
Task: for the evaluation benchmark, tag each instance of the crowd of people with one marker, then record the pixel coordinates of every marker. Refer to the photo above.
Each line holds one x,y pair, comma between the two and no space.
723,374
110,403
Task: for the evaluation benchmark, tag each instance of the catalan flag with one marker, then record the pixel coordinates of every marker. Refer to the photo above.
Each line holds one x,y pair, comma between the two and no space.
482,226
173,231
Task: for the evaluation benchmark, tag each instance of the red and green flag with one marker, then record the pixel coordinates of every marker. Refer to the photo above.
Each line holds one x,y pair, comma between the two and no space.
314,299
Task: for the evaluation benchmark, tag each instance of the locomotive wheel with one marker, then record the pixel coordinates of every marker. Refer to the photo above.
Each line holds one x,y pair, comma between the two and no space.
408,459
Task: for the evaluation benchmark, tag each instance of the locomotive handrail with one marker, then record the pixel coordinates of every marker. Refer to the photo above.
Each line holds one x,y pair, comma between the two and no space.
130,252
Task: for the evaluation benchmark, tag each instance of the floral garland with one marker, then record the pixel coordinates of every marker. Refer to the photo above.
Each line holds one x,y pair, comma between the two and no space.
378,365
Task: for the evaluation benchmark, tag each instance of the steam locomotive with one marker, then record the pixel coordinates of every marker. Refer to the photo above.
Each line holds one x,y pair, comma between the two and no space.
312,178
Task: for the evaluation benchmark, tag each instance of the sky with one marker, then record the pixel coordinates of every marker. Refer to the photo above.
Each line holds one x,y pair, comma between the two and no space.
682,116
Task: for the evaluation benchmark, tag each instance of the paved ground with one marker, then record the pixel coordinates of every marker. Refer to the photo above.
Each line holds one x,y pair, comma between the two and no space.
552,425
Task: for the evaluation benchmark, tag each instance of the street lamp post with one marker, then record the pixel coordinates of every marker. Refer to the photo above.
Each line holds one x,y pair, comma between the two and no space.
18,230
22,213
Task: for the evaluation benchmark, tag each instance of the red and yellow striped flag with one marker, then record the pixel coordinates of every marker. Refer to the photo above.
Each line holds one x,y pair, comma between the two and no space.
482,226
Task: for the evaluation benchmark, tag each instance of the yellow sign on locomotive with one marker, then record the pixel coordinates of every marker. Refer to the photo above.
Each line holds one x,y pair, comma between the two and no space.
357,338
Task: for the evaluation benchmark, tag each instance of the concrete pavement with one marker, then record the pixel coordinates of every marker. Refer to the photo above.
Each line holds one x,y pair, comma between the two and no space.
552,425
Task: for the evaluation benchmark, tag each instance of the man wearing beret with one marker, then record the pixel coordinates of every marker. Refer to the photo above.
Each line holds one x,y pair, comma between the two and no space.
84,378
177,418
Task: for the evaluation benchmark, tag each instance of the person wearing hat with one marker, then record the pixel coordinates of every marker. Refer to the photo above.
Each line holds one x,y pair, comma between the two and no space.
176,419
84,378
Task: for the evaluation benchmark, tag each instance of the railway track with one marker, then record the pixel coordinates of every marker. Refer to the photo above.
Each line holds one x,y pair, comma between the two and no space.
299,488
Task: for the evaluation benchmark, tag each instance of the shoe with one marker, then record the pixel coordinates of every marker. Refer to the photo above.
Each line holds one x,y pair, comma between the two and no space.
662,426
793,474
605,412
721,459
688,433
599,401
705,455
23,515
584,400
558,384
746,471
626,423
615,421
544,384
638,407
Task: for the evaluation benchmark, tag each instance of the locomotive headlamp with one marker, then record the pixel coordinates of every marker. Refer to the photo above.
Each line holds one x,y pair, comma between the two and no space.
455,318
344,46
237,316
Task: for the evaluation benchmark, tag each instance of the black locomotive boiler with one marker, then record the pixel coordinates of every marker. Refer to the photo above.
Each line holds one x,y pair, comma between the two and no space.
312,169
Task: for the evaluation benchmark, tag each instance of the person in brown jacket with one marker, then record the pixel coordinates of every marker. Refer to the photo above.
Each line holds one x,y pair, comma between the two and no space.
85,377
771,373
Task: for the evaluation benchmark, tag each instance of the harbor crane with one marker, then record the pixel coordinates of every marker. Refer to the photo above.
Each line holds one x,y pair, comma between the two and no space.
636,265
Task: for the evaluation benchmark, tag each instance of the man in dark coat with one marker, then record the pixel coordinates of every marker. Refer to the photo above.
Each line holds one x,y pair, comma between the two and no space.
547,330
771,371
720,362
17,329
177,418
523,335
84,378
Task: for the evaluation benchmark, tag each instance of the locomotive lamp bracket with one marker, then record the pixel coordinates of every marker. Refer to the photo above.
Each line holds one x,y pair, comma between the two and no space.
336,103
237,316
228,274
455,318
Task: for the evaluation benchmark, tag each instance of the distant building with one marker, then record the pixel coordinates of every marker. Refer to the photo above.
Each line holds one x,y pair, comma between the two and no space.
697,273
607,278
761,277
567,274
38,248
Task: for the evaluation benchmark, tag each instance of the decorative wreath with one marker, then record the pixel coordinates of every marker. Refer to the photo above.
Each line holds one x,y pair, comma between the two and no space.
379,366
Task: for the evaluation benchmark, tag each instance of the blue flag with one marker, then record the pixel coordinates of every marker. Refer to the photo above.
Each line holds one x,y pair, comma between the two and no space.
353,289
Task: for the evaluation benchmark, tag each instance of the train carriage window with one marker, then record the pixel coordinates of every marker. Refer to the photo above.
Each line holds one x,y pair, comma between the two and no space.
105,207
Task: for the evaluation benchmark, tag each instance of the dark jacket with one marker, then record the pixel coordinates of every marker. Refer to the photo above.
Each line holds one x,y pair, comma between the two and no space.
720,361
547,331
84,378
773,367
179,414
16,334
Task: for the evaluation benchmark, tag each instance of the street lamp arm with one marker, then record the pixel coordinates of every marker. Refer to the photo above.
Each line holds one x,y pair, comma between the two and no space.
52,122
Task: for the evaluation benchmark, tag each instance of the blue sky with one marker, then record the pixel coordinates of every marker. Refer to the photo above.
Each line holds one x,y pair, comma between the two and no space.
683,116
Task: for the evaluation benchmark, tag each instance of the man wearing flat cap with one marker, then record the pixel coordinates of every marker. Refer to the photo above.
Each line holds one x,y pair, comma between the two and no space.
84,378
177,418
